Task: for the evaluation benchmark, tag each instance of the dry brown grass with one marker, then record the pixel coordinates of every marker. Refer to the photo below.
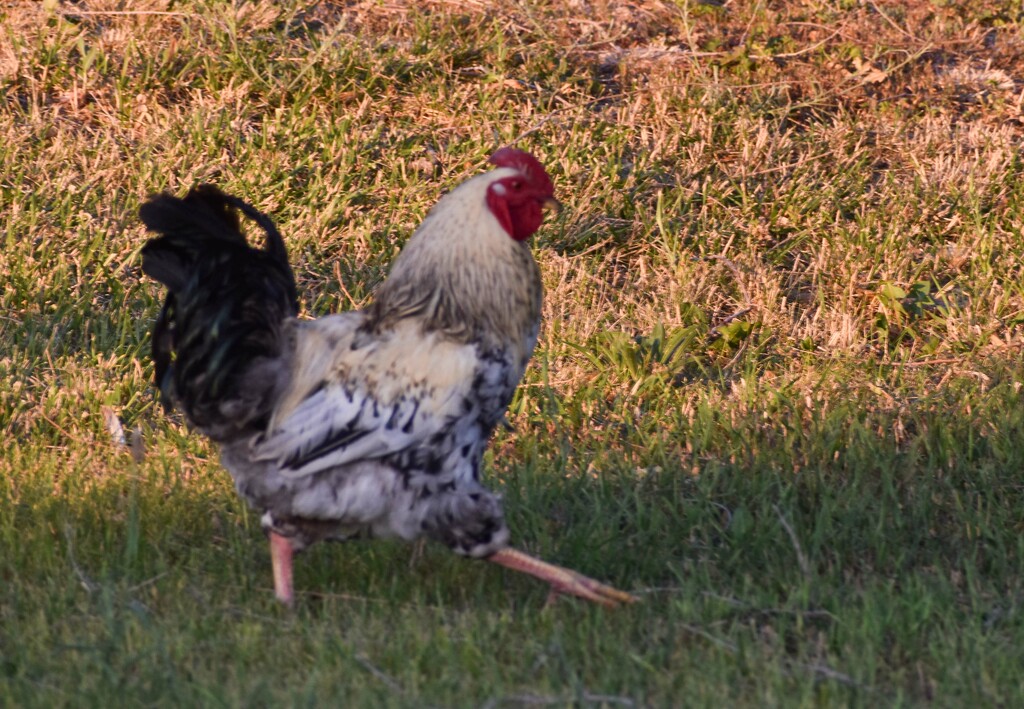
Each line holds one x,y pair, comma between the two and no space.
804,154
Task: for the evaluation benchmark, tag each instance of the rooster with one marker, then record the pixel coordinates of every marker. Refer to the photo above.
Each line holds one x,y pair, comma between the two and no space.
367,423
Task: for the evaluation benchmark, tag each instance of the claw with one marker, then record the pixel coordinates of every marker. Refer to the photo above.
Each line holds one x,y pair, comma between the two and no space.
562,580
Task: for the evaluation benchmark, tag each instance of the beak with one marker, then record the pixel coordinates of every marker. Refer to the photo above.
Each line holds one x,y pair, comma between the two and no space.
552,205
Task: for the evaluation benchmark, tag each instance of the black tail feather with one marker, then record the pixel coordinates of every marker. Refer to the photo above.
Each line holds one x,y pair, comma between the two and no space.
221,343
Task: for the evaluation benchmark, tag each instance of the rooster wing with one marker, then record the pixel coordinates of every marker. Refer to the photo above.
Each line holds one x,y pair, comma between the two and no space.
357,396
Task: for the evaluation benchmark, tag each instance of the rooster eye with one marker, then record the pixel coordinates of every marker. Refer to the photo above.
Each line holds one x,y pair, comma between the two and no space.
516,184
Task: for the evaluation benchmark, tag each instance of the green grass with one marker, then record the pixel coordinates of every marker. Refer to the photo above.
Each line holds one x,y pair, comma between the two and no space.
777,394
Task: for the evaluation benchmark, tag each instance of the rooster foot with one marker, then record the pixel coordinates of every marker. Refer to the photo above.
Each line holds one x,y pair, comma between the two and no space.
562,580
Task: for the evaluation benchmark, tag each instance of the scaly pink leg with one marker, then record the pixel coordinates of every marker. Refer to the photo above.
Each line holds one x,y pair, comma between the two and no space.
281,559
562,580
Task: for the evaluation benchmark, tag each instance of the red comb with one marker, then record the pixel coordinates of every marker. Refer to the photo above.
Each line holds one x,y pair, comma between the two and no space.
526,164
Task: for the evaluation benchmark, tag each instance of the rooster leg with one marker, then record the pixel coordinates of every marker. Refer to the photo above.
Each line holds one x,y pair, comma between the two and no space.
281,559
562,580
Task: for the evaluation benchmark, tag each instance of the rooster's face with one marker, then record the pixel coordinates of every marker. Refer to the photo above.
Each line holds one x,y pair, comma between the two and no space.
518,201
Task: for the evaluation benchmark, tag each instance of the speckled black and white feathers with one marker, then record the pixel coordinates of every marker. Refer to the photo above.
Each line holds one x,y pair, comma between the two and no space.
220,343
384,434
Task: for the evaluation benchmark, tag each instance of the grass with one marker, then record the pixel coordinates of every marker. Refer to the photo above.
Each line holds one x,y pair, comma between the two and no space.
777,394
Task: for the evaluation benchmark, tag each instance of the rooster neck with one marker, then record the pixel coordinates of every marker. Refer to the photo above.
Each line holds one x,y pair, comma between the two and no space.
495,303
462,275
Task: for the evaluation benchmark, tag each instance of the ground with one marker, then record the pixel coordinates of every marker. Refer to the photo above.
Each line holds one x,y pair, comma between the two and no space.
777,393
